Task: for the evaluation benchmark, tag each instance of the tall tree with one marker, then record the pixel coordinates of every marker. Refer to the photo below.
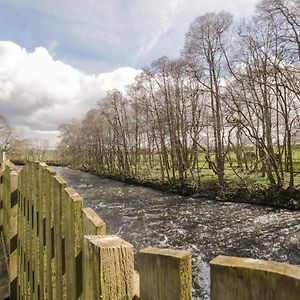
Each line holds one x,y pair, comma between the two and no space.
204,50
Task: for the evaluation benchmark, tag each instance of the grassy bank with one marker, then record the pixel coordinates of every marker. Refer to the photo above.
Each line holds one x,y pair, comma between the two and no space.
258,193
250,188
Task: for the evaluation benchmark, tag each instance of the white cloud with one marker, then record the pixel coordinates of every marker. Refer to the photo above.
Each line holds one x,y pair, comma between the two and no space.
37,93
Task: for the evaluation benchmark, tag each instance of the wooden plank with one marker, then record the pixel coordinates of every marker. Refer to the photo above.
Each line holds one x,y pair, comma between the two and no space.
48,173
165,274
73,243
59,185
9,208
36,240
13,234
21,233
6,205
251,279
108,268
92,223
64,229
42,290
30,235
27,235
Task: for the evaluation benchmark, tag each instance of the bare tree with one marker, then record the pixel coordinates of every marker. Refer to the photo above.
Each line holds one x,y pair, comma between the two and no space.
204,50
6,134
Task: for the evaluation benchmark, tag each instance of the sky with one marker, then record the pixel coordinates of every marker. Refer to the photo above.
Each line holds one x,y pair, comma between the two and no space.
59,58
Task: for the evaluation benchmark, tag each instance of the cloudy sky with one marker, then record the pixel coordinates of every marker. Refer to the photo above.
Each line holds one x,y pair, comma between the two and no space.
58,58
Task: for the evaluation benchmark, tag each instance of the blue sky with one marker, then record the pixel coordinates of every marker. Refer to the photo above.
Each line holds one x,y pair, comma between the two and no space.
100,36
88,45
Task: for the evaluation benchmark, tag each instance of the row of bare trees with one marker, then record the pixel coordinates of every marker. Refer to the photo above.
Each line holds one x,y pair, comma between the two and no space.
20,149
229,102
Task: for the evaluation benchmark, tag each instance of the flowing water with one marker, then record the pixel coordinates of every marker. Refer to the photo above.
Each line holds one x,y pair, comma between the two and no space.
146,217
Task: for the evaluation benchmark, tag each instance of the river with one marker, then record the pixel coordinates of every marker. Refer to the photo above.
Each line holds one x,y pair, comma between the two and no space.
147,217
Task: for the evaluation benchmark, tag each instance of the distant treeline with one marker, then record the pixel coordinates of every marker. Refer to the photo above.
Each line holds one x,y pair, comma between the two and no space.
227,108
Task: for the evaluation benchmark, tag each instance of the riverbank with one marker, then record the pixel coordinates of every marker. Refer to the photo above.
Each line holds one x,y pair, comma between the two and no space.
209,189
264,196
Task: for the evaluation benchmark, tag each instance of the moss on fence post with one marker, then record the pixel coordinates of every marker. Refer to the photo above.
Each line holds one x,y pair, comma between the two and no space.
59,184
13,234
108,268
73,243
165,274
253,279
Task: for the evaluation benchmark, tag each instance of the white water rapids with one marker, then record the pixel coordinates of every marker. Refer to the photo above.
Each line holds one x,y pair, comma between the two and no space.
146,217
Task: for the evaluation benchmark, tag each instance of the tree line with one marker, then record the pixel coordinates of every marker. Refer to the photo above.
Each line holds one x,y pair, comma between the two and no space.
229,104
20,149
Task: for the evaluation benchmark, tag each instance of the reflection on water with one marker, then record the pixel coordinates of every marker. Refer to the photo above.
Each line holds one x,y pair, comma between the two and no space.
146,217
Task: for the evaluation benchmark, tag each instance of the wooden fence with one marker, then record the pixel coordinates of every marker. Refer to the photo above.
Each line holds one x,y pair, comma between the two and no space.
59,250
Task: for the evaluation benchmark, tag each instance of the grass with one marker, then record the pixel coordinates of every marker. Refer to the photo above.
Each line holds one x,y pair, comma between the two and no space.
239,183
206,175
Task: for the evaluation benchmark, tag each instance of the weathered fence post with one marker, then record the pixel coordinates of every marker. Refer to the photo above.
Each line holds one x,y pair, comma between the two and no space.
73,243
9,224
108,268
92,224
165,274
33,196
13,235
59,184
6,207
252,279
4,281
21,235
34,179
47,181
31,231
43,271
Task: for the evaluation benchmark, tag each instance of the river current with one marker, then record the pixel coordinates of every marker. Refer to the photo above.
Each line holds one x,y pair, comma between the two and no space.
146,217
